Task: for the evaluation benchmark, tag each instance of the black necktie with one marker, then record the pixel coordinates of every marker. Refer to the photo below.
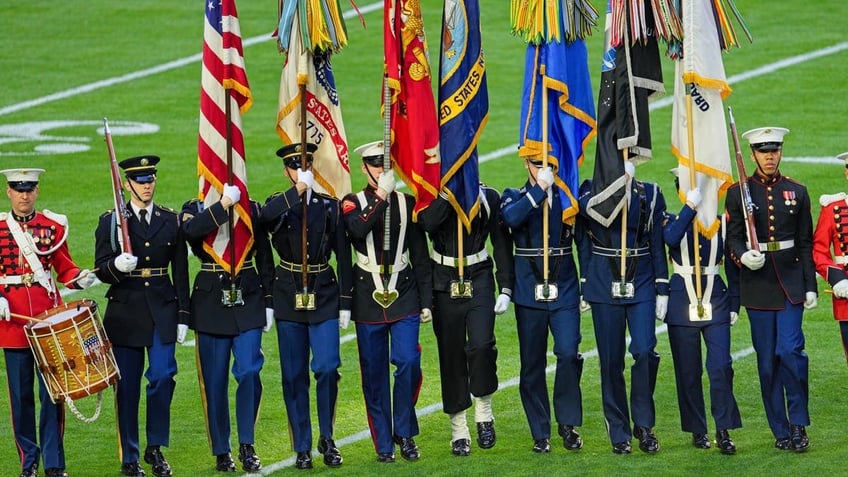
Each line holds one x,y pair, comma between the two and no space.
142,217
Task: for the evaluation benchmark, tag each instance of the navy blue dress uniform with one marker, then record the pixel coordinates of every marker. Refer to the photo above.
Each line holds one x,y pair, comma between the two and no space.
300,331
225,329
465,325
388,334
779,287
685,332
145,305
521,210
28,287
647,269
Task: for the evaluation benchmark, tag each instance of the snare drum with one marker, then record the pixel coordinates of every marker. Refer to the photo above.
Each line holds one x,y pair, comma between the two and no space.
71,350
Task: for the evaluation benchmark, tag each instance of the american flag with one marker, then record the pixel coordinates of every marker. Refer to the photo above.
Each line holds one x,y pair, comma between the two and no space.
223,79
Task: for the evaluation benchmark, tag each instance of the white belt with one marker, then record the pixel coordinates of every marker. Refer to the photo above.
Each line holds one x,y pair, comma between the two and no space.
841,259
26,279
689,270
775,246
364,263
468,260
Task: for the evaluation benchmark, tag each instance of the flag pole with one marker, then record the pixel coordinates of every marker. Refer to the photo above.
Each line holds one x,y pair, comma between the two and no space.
230,225
301,84
695,239
545,218
387,166
624,208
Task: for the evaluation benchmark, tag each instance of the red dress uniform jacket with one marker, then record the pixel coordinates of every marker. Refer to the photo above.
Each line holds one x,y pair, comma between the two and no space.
47,230
832,230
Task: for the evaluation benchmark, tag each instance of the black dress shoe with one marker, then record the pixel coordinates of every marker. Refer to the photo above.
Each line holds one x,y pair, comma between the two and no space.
783,443
55,472
224,463
154,457
386,457
132,469
249,460
542,446
621,448
725,443
31,471
332,454
461,447
648,442
571,439
800,441
701,441
408,448
303,461
486,436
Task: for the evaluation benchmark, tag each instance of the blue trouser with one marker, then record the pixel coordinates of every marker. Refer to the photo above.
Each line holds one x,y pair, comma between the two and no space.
685,344
295,340
533,325
843,330
465,334
161,369
20,373
379,344
782,365
610,322
213,359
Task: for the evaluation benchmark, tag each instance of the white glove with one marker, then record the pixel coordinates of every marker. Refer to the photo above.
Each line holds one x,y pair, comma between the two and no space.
4,309
386,181
662,307
231,192
753,259
306,177
840,290
126,262
182,330
694,197
734,317
88,278
502,303
426,315
344,319
811,300
630,169
545,177
269,320
584,305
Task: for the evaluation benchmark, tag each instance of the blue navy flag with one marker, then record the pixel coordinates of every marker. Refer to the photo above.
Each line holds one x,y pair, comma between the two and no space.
463,105
630,76
562,68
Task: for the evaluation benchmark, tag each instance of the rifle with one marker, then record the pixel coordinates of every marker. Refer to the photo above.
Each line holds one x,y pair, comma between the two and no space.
121,212
747,202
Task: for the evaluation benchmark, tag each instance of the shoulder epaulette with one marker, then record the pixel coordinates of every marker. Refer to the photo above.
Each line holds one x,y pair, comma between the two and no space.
166,209
58,218
827,199
107,213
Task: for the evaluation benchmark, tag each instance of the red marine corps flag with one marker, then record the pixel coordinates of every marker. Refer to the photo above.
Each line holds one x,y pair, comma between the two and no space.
224,97
414,127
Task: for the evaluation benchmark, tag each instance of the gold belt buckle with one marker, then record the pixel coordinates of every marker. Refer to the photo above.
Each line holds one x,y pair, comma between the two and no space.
461,289
304,301
146,272
773,246
27,279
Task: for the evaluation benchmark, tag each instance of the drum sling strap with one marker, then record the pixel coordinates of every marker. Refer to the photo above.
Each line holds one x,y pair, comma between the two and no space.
30,252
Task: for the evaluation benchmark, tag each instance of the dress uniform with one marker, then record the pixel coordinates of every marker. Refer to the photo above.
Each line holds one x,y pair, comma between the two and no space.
147,306
392,293
776,283
535,314
229,325
613,311
32,245
832,233
465,324
685,330
300,329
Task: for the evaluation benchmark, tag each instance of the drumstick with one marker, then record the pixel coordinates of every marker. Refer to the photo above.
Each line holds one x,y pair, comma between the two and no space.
24,317
93,270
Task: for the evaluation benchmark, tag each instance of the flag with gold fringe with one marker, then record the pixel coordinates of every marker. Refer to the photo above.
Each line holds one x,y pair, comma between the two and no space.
463,105
706,32
556,61
414,127
224,96
308,63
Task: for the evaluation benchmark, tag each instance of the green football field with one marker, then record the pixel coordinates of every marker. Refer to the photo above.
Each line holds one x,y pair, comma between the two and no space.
67,65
